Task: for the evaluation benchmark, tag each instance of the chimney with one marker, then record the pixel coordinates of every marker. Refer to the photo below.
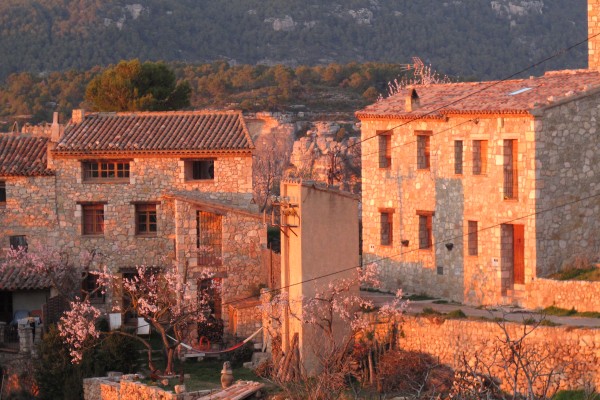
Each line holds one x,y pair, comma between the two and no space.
55,129
412,100
78,116
594,29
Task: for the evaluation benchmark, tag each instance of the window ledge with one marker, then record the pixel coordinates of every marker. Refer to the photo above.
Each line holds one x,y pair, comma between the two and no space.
92,236
146,235
512,200
106,181
199,180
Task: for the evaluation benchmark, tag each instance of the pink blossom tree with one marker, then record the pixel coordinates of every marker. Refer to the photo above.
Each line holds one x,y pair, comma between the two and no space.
163,297
336,316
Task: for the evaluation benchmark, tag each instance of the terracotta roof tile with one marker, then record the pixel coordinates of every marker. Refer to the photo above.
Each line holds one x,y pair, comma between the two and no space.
181,131
14,278
519,96
22,155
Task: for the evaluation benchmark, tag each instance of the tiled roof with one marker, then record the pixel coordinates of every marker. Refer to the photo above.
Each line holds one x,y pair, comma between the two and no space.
519,96
204,199
14,278
143,132
22,155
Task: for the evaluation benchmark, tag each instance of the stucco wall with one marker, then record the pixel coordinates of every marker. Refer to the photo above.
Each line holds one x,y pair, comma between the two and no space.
568,164
455,199
573,353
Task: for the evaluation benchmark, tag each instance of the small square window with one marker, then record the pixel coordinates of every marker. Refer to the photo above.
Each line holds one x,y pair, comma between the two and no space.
199,170
2,192
145,219
19,241
93,219
92,289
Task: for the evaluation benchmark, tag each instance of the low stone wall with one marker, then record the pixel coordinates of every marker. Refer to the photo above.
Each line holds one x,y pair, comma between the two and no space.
583,296
125,389
572,354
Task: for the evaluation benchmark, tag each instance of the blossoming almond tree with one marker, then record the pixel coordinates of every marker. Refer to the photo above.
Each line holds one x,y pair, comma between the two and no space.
335,316
163,297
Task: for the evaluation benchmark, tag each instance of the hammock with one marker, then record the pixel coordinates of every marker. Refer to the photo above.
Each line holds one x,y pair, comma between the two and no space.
232,348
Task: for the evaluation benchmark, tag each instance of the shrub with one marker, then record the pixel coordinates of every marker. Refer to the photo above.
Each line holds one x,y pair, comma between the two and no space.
410,372
58,378
240,355
456,314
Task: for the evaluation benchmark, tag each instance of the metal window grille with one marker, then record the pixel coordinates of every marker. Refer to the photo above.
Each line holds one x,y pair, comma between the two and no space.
423,155
510,169
458,157
385,151
479,157
473,240
425,231
93,219
386,228
146,221
209,238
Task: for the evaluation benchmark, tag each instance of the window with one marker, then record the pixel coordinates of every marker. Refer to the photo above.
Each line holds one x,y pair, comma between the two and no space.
385,150
425,229
510,169
105,170
480,157
473,240
19,241
458,157
145,219
423,155
208,238
93,219
2,192
199,170
387,227
90,287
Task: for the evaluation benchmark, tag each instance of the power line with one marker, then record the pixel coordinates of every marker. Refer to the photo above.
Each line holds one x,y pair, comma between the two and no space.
492,84
437,243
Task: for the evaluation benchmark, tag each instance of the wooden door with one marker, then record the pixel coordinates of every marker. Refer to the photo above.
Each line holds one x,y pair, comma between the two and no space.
519,254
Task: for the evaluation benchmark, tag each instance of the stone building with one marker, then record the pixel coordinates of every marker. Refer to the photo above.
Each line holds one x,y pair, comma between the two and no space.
473,191
27,213
153,189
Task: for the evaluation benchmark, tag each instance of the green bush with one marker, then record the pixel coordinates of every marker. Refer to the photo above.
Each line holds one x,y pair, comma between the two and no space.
58,378
240,355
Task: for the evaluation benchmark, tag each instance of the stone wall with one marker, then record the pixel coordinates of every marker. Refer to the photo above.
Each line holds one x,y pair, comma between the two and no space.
573,353
568,184
580,295
454,199
30,210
